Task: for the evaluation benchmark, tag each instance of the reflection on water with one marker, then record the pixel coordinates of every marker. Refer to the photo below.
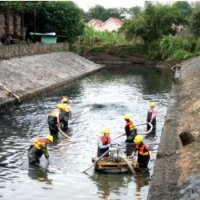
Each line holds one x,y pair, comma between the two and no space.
98,101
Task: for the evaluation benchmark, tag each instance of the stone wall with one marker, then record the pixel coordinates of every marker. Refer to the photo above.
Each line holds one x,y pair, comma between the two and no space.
18,50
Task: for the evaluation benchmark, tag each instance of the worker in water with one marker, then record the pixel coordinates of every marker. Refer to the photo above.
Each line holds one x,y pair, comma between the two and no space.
151,116
39,148
143,152
104,143
54,119
130,129
65,116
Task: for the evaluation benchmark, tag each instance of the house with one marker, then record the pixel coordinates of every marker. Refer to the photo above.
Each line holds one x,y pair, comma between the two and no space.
96,23
112,24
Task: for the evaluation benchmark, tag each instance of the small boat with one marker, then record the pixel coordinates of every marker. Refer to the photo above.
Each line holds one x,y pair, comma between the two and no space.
112,165
117,162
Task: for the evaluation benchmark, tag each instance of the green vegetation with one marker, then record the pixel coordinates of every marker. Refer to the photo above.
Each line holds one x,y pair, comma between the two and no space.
163,32
158,31
96,41
62,17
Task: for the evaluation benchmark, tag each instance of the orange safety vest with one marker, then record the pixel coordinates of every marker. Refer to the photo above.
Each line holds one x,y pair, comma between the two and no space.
130,125
141,150
38,142
53,113
104,142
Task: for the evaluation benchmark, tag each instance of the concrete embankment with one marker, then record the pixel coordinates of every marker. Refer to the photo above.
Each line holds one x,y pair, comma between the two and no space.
32,75
177,167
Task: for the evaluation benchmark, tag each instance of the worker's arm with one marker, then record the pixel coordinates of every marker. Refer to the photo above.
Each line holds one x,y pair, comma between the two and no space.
101,146
45,151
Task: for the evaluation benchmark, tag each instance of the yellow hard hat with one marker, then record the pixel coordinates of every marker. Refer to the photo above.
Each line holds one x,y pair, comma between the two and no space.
50,138
138,139
152,104
61,106
64,99
67,109
105,130
127,117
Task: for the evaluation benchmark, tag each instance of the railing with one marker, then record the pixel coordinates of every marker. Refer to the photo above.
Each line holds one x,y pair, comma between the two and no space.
18,50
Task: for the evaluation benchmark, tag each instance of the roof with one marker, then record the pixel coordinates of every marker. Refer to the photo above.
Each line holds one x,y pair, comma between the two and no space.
119,21
46,34
97,21
115,20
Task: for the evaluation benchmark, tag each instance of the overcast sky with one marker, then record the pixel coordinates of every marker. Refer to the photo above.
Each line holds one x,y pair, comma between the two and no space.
87,4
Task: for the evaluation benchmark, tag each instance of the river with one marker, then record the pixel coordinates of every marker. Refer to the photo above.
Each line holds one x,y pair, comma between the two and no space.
98,101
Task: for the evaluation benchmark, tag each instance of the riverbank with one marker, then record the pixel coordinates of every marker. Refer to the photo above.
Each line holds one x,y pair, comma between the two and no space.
177,167
32,75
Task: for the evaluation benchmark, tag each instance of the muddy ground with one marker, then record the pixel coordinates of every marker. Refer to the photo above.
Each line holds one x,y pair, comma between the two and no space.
177,168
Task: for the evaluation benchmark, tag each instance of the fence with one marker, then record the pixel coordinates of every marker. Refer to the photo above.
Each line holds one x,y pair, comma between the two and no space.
19,50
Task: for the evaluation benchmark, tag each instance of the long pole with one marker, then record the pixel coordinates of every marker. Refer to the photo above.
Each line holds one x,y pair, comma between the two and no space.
102,155
96,161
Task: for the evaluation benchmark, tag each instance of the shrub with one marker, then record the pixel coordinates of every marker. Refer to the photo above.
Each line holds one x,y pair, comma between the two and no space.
181,55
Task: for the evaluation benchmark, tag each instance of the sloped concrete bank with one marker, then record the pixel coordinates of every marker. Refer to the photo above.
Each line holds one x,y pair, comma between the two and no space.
32,75
177,167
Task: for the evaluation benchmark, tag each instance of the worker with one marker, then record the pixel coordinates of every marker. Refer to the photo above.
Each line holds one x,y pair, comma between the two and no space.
54,119
65,116
151,116
104,143
38,148
143,152
130,129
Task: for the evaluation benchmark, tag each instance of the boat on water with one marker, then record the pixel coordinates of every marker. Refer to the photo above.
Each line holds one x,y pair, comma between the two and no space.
110,165
117,162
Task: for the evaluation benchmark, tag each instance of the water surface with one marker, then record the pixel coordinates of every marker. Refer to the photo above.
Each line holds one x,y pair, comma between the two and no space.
98,101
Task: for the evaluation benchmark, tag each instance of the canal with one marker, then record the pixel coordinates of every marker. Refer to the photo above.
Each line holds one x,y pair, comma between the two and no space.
98,101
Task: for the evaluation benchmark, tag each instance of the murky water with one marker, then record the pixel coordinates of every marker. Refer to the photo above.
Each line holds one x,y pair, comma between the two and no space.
98,101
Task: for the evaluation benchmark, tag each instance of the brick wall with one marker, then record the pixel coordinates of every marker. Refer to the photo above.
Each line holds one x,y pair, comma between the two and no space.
19,50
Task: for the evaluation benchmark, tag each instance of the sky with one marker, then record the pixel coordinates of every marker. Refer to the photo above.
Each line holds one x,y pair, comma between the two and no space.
87,4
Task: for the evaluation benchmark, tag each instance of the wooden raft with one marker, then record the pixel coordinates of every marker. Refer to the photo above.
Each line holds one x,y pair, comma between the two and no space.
109,163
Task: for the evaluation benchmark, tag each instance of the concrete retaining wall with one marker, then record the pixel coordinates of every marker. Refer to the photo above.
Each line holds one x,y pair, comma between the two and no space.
177,167
20,50
32,75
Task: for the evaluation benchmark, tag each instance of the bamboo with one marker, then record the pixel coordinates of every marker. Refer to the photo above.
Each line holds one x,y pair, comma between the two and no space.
96,161
4,87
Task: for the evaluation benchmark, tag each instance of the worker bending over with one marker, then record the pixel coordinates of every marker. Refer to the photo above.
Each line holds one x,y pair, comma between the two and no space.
143,152
39,148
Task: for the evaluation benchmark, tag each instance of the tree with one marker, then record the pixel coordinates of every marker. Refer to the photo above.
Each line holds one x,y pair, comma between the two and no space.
195,21
183,7
155,21
64,18
135,11
99,12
